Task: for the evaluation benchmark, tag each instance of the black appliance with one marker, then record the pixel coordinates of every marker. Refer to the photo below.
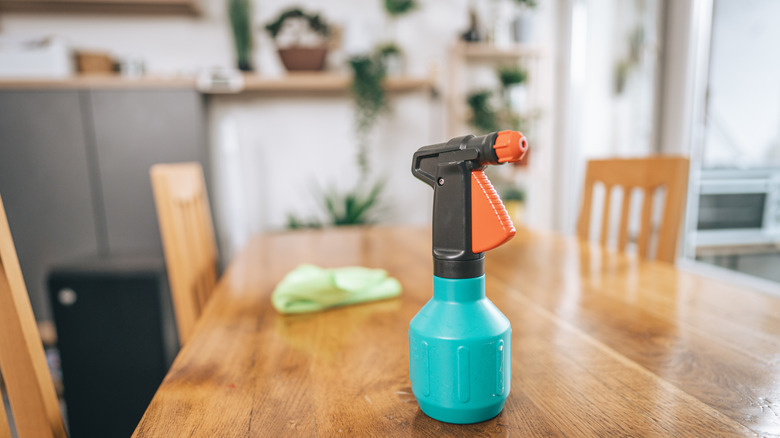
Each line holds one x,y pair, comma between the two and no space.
116,337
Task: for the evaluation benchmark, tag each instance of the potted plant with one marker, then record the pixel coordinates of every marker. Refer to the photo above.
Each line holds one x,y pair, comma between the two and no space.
484,117
522,26
489,114
513,90
390,51
353,207
514,200
301,39
393,59
511,75
396,8
240,13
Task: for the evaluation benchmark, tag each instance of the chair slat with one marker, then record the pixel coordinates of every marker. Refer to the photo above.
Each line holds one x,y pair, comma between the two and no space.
583,225
647,174
188,239
624,218
645,227
606,216
26,375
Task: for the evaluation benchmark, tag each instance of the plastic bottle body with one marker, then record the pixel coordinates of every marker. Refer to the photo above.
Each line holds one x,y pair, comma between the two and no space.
460,353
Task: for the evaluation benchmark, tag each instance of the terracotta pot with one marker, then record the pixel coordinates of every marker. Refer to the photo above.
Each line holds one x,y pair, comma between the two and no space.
303,58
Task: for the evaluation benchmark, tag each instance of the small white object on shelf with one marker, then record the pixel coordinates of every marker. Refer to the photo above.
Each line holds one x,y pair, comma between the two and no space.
220,80
40,58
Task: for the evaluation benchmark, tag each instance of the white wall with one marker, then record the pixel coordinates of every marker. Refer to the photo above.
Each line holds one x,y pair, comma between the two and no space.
270,153
168,44
269,164
183,44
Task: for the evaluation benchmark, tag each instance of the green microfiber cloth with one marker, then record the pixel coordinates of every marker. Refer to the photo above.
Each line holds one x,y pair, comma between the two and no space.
309,288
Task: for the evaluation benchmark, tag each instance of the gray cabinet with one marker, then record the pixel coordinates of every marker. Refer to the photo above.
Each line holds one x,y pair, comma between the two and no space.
74,171
133,130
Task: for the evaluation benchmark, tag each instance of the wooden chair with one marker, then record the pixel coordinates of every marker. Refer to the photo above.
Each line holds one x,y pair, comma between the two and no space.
647,174
33,400
188,239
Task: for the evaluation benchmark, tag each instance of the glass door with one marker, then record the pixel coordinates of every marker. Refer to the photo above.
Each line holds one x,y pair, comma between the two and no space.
736,151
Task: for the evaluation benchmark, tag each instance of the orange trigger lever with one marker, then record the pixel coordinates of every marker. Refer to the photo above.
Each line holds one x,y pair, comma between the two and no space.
490,222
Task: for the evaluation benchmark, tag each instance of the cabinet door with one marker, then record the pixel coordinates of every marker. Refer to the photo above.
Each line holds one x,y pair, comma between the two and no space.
45,183
133,130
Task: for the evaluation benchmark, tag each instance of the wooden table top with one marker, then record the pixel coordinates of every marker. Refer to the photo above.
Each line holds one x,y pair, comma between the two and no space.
603,345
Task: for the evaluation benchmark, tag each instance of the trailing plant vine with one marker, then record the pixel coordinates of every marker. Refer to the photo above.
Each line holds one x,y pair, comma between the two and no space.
369,100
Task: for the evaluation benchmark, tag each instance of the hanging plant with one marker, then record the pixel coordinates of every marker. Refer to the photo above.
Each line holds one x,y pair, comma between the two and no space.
632,61
240,12
369,101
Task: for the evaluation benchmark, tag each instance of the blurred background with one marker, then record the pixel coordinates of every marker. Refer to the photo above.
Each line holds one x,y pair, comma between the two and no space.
306,114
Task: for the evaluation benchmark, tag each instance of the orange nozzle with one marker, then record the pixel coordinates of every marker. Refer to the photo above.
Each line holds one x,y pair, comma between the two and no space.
510,146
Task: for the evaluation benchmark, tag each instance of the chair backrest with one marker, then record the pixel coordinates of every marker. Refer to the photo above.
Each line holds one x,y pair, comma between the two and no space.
188,239
648,175
31,393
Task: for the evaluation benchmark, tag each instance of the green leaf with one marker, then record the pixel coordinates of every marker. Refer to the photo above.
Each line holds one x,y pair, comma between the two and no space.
369,100
240,12
397,8
511,75
316,23
483,117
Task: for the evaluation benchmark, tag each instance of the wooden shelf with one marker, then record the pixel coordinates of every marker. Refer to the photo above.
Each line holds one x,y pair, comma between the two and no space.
96,82
465,56
324,83
489,52
290,83
162,7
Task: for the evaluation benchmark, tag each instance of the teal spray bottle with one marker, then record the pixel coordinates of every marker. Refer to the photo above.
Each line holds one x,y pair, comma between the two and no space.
460,344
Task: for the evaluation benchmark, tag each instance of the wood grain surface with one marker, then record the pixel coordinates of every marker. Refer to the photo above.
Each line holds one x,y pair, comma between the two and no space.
603,345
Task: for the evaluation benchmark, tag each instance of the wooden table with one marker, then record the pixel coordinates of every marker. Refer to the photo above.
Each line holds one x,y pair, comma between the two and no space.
603,345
